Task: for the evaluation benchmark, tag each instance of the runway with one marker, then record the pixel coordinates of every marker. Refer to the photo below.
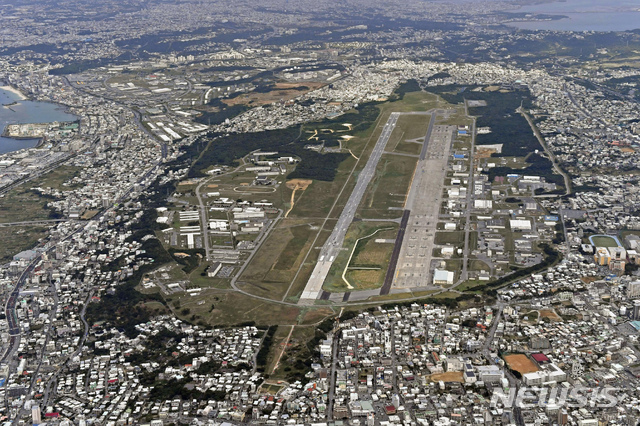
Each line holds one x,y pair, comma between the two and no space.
334,244
395,255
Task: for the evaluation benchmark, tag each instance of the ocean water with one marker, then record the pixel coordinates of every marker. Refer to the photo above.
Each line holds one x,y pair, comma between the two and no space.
585,15
26,112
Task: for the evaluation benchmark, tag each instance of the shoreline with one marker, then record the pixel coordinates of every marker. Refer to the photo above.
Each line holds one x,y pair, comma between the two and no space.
15,91
40,141
21,138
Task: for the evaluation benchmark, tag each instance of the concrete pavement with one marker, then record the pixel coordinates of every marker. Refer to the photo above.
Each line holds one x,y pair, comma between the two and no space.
333,245
423,201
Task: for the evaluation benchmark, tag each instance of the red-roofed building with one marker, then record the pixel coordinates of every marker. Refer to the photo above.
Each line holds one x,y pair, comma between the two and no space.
540,358
390,409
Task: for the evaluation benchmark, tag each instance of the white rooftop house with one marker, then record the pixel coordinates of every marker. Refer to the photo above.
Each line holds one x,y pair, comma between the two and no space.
520,225
441,276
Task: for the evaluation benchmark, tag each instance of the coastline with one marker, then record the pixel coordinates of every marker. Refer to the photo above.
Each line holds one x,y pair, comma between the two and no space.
21,138
15,91
574,15
40,140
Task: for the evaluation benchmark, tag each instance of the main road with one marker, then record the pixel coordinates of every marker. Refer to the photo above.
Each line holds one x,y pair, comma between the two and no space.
464,275
333,245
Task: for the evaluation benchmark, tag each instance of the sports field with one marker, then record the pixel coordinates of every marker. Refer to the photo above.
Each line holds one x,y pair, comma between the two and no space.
520,363
450,376
604,241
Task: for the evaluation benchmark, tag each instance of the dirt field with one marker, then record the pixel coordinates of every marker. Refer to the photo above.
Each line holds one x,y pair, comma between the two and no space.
451,376
281,92
545,313
296,184
520,363
299,183
89,214
484,152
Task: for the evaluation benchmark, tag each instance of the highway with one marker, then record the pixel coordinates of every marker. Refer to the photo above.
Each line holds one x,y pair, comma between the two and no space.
34,222
36,174
334,244
550,154
14,329
464,275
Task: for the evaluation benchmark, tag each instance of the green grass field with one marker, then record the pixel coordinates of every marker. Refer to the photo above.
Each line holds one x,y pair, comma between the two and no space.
411,148
368,254
453,237
408,127
57,177
230,308
15,239
289,256
203,281
272,270
388,188
31,204
478,265
604,241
